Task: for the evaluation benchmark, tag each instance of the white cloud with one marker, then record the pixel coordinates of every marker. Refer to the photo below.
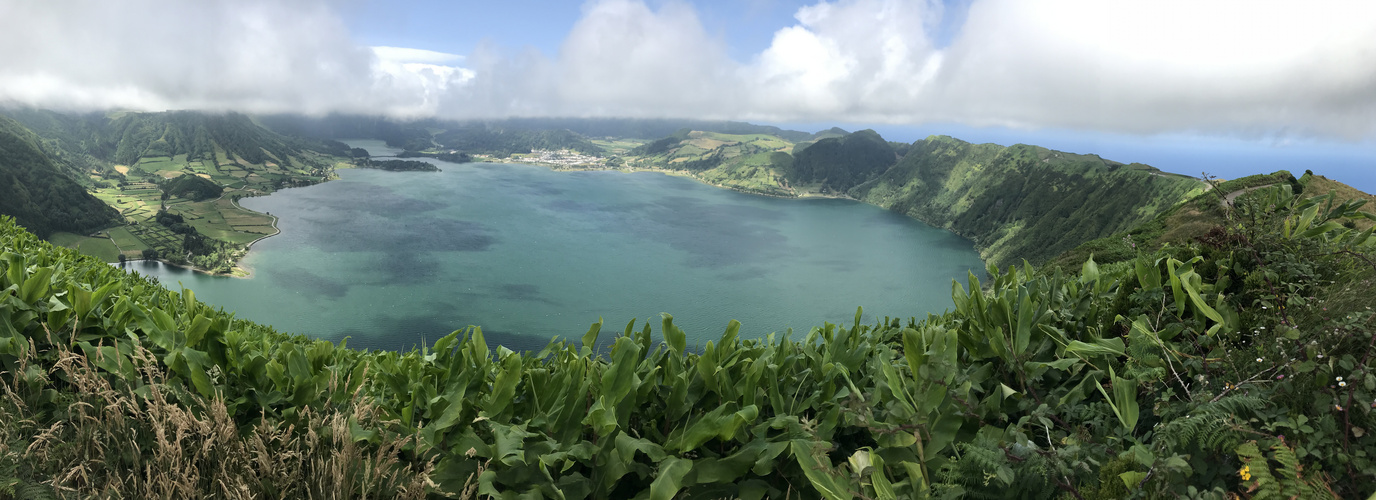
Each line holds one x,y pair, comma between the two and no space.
408,55
253,55
1233,67
853,58
1249,67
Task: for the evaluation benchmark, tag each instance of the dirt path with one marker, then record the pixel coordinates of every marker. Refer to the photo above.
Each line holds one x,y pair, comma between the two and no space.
1228,200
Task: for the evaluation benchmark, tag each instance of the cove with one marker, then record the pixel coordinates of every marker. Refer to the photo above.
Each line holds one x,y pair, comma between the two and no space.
394,260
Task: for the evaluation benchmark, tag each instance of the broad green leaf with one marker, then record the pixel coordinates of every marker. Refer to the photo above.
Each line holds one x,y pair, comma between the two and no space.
943,434
619,378
668,481
1089,272
1124,400
832,486
1132,479
1148,275
36,285
504,388
509,443
1322,228
1090,350
196,332
590,338
1023,336
677,339
1200,305
1006,391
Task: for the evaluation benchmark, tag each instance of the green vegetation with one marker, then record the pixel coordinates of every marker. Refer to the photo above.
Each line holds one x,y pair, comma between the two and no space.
841,163
100,247
39,195
753,163
192,187
400,165
142,163
1022,202
1019,202
1239,366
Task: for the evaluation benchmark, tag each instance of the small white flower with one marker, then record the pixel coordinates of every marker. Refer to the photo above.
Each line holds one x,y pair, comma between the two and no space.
1342,384
1340,379
1259,360
1320,356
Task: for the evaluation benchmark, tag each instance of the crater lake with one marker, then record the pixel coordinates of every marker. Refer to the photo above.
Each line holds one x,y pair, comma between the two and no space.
394,260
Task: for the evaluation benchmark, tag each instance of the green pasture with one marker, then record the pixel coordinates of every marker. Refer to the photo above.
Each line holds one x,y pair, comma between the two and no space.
617,146
100,248
126,240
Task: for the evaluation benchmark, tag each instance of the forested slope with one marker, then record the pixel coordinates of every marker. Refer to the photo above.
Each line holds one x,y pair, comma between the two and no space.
840,163
1022,202
38,194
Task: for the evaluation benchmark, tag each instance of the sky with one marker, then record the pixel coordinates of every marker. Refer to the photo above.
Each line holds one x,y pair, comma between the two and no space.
1228,87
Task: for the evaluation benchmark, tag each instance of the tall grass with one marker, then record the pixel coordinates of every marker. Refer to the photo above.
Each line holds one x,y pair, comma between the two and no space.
159,442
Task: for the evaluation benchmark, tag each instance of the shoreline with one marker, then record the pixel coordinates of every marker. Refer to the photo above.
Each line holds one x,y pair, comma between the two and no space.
248,271
676,173
244,272
236,270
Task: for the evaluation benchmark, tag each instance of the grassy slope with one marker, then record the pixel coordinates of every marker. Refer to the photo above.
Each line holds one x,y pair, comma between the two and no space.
1189,221
1021,202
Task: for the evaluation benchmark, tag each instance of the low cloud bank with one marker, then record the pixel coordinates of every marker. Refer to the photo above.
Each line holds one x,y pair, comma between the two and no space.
1254,68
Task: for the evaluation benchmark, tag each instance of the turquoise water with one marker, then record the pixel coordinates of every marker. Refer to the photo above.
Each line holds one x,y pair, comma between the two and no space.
394,259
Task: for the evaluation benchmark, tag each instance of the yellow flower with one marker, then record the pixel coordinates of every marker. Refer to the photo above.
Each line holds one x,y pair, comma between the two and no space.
1246,473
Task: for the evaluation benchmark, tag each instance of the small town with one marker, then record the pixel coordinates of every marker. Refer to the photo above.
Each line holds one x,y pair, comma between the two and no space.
562,157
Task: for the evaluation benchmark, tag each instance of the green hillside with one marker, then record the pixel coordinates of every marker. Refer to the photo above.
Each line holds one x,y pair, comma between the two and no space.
1237,367
38,193
194,165
193,187
1014,203
1022,202
838,163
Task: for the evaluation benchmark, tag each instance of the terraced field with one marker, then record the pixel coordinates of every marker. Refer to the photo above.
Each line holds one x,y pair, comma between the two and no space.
139,199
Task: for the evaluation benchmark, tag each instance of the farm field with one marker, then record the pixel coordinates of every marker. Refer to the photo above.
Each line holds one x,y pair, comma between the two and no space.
100,248
618,146
139,199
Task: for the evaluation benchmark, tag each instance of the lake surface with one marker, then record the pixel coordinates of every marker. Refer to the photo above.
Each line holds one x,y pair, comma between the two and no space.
396,259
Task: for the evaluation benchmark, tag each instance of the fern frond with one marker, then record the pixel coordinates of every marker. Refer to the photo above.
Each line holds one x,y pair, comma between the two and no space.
1285,482
1215,427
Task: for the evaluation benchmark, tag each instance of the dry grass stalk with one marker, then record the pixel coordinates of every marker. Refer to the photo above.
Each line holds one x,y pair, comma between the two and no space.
114,443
